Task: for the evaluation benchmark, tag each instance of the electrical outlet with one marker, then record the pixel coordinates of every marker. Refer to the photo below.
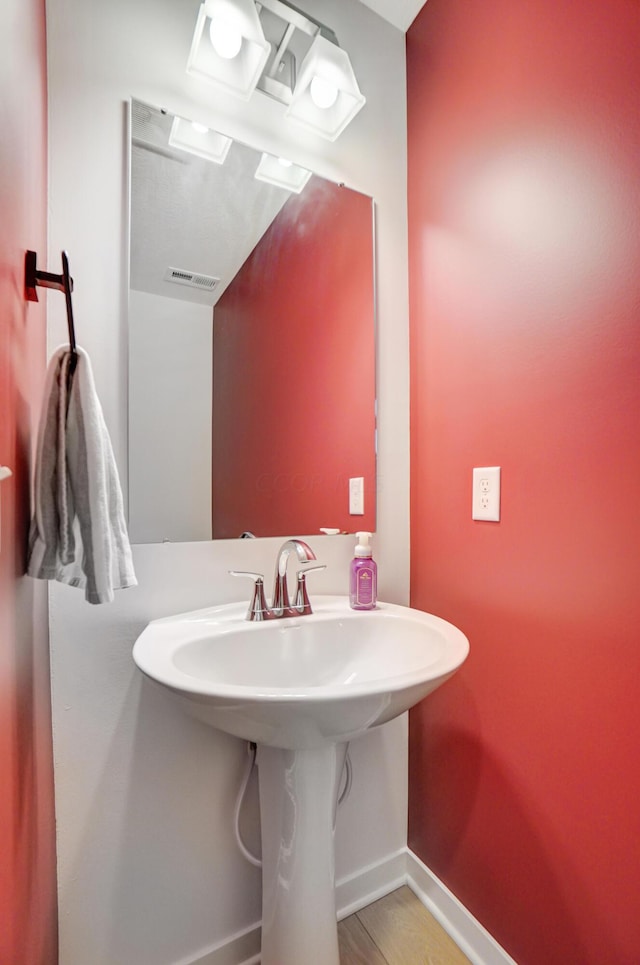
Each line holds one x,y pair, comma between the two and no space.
486,494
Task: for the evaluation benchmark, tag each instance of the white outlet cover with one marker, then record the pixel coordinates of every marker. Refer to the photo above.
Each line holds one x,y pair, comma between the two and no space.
486,494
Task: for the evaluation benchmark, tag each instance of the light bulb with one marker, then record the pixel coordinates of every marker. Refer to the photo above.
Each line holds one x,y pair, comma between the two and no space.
226,39
199,128
323,93
284,162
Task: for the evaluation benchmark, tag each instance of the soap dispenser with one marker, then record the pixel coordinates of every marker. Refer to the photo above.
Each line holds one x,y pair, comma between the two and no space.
363,583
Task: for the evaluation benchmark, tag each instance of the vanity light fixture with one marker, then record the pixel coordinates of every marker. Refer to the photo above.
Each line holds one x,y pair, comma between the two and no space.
282,173
326,97
273,47
198,139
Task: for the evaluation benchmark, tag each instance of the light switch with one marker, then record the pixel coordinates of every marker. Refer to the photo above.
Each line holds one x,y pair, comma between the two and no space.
356,496
486,494
5,472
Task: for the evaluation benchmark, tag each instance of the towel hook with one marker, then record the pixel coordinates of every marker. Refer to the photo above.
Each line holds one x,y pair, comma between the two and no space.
46,279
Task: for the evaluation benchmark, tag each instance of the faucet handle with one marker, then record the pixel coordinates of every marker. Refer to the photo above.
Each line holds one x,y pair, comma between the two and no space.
301,603
258,609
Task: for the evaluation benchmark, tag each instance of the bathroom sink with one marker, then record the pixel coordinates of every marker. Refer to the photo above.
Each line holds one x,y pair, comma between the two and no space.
301,688
300,682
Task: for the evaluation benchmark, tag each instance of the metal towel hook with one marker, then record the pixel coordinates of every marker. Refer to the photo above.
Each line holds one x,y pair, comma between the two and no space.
46,279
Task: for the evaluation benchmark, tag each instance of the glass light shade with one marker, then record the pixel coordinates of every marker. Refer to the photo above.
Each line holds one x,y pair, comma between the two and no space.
282,173
225,38
323,94
331,66
199,140
237,74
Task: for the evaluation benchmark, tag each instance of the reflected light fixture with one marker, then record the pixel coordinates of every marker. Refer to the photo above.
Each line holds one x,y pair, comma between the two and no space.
283,173
268,45
198,139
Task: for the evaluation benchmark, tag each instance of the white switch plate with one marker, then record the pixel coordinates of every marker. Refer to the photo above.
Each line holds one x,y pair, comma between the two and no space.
356,496
5,472
486,494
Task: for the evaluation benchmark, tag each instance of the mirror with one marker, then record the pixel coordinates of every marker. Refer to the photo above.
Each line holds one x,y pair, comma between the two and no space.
251,341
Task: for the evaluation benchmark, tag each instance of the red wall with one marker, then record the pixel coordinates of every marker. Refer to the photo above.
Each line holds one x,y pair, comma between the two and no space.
524,200
294,327
27,835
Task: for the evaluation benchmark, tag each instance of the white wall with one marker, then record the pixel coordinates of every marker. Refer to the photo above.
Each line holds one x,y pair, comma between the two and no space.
171,403
148,869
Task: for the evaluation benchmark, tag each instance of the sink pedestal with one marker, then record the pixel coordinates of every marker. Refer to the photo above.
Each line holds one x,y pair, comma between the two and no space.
298,800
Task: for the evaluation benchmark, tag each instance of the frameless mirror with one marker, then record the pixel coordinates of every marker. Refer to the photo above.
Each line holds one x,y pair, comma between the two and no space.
251,341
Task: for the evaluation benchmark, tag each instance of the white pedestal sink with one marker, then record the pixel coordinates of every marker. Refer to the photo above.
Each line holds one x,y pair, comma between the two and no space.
301,688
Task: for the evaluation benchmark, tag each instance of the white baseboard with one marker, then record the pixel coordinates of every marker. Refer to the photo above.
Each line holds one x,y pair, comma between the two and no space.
375,881
242,948
358,890
469,935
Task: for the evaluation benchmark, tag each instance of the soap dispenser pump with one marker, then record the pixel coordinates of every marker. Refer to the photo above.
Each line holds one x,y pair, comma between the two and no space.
363,583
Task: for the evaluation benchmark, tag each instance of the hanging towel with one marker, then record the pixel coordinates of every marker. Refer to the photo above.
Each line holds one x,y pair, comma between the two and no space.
78,534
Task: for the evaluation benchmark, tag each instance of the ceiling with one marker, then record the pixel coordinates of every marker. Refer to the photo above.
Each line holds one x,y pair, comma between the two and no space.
400,13
191,215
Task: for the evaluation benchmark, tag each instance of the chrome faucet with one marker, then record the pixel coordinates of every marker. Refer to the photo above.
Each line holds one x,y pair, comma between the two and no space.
280,602
281,605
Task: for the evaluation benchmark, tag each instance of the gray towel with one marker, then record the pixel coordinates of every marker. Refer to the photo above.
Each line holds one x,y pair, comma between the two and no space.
78,533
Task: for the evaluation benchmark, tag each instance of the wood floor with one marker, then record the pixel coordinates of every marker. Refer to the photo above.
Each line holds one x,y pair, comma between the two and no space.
396,930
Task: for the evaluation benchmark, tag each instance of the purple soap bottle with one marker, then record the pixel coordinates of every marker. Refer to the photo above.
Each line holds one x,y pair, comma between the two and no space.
363,582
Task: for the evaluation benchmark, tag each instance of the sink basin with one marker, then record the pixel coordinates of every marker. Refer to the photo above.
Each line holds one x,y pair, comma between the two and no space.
300,682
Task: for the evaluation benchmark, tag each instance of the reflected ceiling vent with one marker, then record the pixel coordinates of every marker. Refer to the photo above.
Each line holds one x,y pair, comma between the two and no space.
192,279
150,127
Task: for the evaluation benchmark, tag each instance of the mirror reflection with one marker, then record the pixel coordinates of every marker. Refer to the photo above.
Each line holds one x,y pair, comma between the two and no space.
251,341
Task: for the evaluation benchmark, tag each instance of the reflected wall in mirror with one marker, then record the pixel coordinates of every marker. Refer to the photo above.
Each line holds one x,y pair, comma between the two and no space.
251,341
